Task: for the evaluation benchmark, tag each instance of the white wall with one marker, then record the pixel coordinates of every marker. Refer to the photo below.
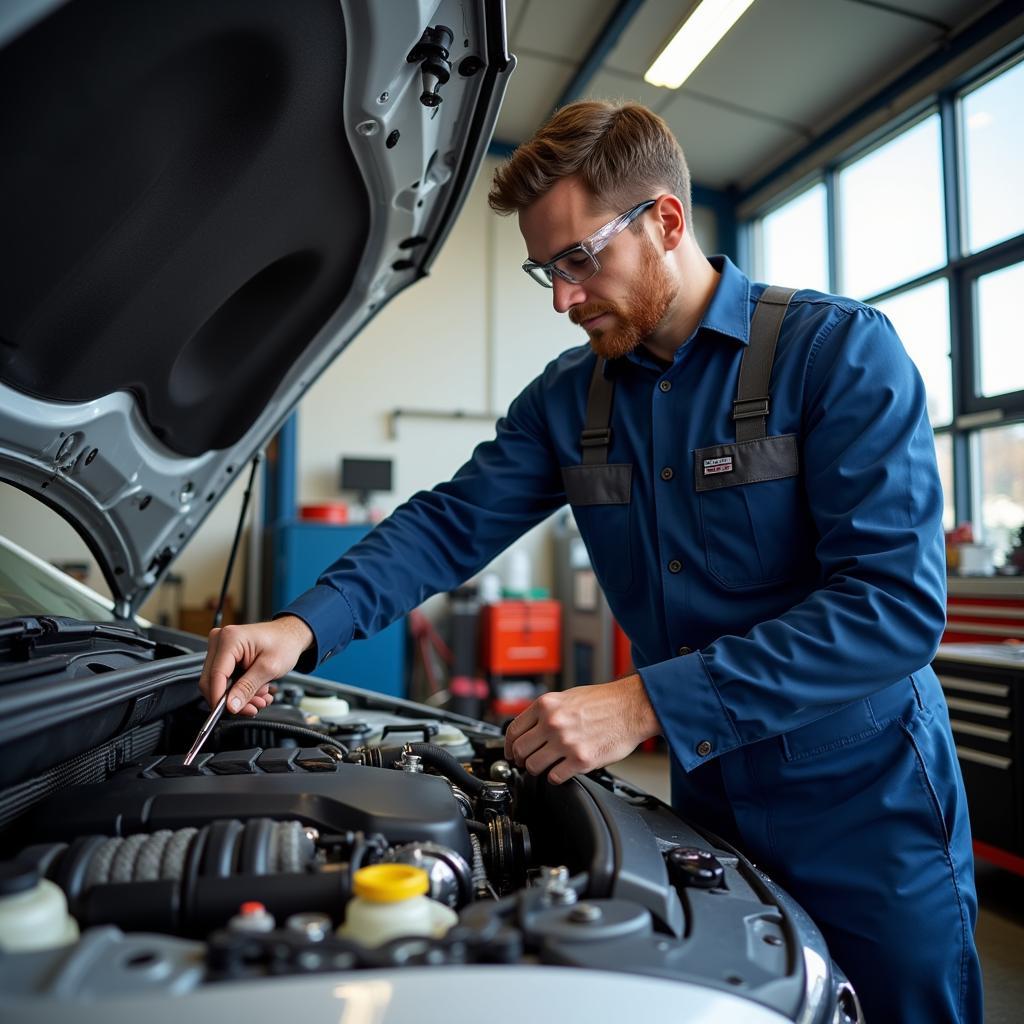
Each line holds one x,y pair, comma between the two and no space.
469,337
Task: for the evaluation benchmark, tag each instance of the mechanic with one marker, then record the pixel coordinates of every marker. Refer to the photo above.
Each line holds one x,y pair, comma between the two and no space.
763,510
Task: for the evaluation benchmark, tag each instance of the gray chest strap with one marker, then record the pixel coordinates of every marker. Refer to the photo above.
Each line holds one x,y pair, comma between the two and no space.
749,410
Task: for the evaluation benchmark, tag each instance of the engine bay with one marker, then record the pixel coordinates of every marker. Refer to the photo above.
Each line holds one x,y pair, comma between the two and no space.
245,864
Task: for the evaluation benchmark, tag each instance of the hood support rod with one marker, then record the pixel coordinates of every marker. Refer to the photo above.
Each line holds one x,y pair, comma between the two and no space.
218,615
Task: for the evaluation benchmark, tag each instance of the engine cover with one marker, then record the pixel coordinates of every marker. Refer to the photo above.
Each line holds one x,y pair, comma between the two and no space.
318,791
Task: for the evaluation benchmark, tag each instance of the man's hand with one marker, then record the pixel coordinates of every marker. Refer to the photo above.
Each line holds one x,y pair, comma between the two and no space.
267,650
581,729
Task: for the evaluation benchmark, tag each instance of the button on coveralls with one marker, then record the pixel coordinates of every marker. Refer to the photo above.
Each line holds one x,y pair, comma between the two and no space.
804,721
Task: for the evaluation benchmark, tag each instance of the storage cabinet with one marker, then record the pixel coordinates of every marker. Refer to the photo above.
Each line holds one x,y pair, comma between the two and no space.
299,552
983,685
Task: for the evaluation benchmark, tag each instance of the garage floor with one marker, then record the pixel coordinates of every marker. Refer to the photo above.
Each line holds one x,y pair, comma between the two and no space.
1000,932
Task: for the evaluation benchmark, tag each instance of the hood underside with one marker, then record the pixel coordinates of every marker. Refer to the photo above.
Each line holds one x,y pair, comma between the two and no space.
202,203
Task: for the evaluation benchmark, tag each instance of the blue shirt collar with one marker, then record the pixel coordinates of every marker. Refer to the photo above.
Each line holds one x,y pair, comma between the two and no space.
728,312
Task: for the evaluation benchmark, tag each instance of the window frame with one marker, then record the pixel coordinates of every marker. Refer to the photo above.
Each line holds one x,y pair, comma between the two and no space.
972,412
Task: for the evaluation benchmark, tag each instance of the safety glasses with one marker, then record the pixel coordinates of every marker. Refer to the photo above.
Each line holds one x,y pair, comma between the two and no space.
579,262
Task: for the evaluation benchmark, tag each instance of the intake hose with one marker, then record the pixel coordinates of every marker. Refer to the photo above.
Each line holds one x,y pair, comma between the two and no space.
289,729
434,756
446,763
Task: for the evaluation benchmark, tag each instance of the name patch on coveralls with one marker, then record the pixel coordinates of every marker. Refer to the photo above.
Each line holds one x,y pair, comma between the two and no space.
718,465
745,462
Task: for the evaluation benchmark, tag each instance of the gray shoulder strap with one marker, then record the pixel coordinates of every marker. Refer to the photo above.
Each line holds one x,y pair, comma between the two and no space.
596,438
750,410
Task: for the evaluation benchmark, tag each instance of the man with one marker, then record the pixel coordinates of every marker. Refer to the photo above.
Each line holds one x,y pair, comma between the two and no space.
756,486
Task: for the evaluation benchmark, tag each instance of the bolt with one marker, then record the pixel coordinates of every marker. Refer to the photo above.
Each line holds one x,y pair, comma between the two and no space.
314,927
501,771
555,876
312,834
555,882
585,913
384,97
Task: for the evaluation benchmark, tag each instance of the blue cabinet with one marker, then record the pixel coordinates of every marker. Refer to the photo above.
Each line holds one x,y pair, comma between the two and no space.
299,553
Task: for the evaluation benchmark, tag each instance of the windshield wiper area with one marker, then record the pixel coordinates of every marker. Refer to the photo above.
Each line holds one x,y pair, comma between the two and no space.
49,645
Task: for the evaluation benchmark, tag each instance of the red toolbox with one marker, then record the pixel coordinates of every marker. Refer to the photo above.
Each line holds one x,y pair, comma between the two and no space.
520,638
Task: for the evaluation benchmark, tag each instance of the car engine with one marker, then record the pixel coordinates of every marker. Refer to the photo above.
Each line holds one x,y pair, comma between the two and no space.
243,864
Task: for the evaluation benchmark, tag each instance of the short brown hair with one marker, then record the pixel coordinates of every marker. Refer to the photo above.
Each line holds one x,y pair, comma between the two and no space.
622,152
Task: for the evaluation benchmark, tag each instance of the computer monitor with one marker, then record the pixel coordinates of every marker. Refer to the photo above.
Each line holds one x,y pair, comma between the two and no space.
365,476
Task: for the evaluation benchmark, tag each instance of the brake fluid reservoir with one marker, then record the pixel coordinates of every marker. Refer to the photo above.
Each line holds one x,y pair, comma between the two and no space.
33,911
389,902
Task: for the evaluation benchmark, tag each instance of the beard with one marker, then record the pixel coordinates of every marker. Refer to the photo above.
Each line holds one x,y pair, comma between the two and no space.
653,290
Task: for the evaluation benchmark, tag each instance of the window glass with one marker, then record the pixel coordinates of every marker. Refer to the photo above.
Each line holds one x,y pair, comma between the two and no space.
1000,353
1000,473
794,242
944,455
892,225
921,319
993,158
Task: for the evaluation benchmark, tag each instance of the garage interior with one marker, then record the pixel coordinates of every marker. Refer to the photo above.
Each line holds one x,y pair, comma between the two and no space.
864,148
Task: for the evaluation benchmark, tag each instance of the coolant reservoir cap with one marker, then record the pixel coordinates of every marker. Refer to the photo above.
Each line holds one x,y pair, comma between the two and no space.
16,876
390,883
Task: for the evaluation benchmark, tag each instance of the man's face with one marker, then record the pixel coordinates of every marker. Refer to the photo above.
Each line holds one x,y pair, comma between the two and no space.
631,294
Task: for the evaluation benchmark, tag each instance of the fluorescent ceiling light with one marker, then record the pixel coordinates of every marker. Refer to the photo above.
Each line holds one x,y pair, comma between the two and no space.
699,35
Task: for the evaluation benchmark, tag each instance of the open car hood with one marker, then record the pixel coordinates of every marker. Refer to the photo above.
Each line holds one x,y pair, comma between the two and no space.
201,206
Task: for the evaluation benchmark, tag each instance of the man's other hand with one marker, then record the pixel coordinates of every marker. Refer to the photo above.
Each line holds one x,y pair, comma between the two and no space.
266,650
581,729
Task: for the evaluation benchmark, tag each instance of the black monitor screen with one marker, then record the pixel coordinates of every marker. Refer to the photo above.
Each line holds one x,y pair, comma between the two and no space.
365,474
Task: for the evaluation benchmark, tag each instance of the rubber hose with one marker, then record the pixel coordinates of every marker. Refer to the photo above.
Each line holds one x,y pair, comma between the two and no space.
291,858
286,727
147,864
172,865
98,872
446,763
123,866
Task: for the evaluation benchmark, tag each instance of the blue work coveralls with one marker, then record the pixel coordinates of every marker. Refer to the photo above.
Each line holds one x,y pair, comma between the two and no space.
783,628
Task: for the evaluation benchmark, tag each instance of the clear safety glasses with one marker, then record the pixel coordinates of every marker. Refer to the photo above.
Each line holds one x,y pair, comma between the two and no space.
579,262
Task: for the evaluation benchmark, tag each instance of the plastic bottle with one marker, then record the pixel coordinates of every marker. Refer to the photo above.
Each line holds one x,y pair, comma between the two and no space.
389,903
33,911
327,709
518,579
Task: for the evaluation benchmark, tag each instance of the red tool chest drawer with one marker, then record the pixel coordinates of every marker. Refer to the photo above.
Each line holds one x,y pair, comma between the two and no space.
521,637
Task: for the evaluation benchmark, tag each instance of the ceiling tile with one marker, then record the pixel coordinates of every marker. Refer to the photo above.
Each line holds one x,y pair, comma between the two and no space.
802,59
566,30
647,33
784,73
719,143
515,11
614,85
535,85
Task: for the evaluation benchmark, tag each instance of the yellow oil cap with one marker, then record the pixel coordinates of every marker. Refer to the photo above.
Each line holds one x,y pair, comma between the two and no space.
390,883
